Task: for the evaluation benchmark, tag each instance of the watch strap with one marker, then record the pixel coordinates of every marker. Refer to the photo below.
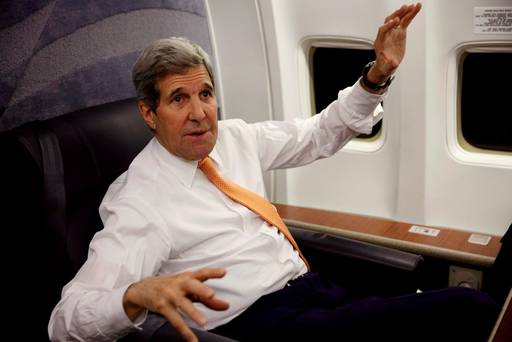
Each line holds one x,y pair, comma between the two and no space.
371,85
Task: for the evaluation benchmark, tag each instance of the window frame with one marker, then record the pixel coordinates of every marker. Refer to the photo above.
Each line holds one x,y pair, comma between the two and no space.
459,148
307,96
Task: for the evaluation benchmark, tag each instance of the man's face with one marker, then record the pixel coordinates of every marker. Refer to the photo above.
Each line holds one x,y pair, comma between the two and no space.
185,121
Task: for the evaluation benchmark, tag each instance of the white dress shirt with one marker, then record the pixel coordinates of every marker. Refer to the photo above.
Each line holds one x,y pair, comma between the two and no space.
163,216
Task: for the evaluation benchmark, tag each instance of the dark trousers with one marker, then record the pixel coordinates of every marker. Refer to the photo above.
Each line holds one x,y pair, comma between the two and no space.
312,309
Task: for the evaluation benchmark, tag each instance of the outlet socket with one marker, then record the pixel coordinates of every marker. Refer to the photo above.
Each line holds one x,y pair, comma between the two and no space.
465,277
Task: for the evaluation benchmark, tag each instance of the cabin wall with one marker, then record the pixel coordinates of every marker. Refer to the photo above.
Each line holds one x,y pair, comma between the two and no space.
238,42
470,191
413,171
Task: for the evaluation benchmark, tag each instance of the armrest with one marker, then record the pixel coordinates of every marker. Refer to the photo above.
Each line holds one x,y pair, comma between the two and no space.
157,328
355,249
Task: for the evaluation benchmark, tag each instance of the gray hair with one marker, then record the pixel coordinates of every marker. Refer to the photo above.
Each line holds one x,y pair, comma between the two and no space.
173,55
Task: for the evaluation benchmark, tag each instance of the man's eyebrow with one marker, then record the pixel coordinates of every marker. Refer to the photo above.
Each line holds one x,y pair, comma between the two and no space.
174,92
206,85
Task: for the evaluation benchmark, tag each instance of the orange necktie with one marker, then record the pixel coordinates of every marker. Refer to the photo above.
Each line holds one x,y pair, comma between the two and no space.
249,199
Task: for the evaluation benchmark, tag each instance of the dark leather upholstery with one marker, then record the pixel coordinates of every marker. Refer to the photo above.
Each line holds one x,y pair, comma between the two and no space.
356,249
96,146
54,175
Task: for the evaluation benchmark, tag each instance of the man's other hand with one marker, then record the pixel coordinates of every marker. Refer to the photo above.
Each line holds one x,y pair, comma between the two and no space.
173,295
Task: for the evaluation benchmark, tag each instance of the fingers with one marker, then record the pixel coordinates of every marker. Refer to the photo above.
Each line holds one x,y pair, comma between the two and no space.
209,273
179,324
401,18
398,13
405,14
391,24
195,287
406,20
191,311
199,292
172,296
215,304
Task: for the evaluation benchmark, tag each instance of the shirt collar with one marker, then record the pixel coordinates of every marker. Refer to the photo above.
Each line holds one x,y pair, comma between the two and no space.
184,170
214,155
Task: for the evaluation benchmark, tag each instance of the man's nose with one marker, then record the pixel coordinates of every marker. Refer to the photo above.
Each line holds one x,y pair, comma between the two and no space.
196,110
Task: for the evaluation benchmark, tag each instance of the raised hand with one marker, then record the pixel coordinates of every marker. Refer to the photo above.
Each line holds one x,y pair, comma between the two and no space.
390,43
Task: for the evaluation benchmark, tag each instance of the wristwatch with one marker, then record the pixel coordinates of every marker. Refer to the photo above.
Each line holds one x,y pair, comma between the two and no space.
371,85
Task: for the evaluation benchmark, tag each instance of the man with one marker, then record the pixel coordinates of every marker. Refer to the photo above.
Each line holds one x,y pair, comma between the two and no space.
168,228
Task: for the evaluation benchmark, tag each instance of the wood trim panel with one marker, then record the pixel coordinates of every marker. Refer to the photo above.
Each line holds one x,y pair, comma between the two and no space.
449,239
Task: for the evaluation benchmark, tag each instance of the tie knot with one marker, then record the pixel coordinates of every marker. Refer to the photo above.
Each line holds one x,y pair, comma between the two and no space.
205,162
208,167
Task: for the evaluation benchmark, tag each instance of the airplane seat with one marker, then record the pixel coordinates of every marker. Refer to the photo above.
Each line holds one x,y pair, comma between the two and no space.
54,175
363,268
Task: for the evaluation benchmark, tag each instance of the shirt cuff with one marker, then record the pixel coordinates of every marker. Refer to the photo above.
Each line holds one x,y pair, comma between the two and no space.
360,109
115,318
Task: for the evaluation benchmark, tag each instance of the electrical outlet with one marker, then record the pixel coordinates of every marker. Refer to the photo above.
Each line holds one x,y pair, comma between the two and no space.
424,231
465,277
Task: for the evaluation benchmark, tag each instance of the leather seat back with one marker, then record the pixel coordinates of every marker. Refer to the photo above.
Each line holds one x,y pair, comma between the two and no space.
55,174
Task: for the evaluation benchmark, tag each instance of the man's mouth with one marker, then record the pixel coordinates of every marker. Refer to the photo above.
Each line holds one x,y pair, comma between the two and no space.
197,133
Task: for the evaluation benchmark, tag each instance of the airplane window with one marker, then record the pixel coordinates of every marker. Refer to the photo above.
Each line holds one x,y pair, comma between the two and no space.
485,116
337,68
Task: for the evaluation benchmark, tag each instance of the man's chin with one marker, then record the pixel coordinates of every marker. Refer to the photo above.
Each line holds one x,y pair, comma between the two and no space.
198,154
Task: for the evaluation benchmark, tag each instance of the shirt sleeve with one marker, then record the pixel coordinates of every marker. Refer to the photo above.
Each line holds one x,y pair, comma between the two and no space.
284,144
91,307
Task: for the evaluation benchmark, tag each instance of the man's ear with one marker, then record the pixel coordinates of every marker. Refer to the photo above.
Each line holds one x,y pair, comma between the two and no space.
147,114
